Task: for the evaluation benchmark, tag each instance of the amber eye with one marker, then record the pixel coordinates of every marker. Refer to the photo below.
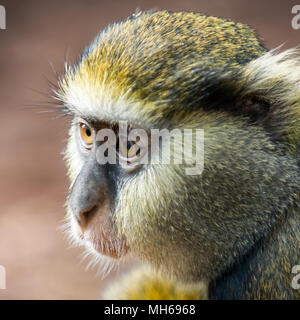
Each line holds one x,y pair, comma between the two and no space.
86,134
132,149
129,149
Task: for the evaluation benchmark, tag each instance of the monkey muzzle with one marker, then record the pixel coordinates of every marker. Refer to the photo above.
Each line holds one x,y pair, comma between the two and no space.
90,202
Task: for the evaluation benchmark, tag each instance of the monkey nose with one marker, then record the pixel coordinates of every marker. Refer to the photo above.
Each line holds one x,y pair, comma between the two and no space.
85,215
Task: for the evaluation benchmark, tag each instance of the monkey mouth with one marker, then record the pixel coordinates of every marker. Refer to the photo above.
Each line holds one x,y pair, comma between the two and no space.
105,243
114,247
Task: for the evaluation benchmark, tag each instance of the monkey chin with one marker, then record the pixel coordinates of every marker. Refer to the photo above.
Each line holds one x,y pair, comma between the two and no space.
115,248
101,241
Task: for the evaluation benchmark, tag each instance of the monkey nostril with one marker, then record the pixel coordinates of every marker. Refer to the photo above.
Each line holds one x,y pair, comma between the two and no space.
85,216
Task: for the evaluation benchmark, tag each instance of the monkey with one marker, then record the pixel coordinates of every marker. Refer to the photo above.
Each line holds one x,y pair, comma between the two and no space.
230,232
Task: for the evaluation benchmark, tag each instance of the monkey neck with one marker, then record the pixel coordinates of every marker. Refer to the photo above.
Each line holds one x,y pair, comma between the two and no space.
265,272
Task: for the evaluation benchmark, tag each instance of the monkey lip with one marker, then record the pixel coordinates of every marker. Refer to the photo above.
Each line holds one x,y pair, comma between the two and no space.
115,248
107,244
112,247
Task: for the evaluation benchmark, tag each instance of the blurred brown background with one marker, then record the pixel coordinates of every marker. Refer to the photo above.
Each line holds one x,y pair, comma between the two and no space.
33,185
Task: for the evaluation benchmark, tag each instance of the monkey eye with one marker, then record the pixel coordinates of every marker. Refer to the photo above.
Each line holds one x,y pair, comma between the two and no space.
129,149
132,149
86,134
131,153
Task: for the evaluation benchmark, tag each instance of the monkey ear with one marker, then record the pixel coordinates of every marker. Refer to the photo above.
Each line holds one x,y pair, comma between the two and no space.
272,88
267,93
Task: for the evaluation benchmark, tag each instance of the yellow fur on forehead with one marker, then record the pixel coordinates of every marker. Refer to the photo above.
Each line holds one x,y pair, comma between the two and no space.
135,65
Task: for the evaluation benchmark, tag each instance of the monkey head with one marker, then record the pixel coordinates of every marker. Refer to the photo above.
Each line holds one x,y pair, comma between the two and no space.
178,71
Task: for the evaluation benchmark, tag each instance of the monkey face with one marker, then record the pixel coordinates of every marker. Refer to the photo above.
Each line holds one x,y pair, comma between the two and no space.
192,226
94,192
